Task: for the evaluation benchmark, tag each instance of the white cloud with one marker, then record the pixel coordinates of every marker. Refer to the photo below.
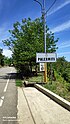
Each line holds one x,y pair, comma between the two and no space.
4,33
64,53
59,7
61,27
2,29
7,53
64,44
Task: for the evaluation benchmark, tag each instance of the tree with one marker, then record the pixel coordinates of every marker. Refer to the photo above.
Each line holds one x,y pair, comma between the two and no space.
8,61
63,68
1,58
60,65
27,39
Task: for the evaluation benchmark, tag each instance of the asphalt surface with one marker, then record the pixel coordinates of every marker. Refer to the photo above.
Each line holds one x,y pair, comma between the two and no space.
8,96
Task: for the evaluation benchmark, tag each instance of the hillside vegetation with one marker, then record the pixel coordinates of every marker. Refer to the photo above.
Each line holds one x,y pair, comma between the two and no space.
60,82
60,87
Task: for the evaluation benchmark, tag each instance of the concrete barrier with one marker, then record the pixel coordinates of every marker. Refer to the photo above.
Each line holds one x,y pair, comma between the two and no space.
53,96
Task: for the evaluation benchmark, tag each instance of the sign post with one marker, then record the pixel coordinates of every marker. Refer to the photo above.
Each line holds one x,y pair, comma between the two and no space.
43,59
45,72
42,67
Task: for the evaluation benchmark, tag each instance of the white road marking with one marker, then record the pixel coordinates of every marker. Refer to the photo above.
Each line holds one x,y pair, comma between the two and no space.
1,100
6,85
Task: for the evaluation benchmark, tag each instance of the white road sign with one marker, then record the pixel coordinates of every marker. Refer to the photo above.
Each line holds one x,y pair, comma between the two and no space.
42,67
45,57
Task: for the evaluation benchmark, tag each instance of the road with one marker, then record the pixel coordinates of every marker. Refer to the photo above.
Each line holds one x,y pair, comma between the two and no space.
8,96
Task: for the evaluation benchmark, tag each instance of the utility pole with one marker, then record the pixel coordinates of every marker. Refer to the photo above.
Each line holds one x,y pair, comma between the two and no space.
44,12
44,26
44,23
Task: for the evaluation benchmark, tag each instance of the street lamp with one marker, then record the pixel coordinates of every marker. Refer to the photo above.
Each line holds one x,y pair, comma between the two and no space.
44,12
44,20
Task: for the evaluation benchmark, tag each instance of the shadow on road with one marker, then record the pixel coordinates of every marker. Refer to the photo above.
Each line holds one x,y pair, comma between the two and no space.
11,76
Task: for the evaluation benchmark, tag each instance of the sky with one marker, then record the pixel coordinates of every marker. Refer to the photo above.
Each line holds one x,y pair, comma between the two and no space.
57,19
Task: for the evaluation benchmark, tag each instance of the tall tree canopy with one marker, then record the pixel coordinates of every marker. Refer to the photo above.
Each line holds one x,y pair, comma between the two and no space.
26,39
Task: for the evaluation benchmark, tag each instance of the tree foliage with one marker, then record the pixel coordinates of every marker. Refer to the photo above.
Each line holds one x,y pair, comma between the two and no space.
63,68
8,61
26,39
1,57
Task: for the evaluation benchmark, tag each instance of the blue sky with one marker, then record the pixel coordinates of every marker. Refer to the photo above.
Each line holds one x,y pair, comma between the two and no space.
58,20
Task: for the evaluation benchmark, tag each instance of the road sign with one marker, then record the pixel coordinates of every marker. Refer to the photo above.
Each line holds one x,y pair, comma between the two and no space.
45,57
42,67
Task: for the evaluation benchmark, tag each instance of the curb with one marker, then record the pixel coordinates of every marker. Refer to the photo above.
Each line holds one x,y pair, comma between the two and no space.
64,103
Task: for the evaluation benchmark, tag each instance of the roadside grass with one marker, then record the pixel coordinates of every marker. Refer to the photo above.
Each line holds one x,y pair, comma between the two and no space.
60,87
18,82
37,79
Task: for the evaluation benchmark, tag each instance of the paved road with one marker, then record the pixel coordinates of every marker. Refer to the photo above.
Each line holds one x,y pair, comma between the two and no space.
43,110
8,96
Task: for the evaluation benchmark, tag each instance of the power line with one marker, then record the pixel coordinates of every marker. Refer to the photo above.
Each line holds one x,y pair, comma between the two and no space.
51,6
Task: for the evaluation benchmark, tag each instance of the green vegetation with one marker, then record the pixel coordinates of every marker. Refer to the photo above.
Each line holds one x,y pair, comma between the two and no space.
8,61
18,82
5,61
60,87
1,58
26,39
62,67
37,79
